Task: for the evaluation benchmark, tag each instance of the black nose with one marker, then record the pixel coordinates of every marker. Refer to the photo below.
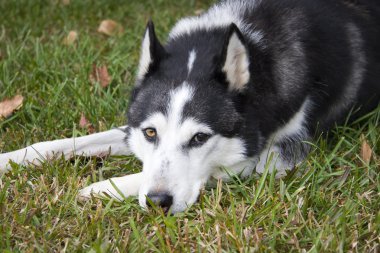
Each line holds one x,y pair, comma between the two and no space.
163,200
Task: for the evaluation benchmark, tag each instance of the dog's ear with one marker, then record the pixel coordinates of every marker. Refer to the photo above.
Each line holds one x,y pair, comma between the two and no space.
235,60
151,52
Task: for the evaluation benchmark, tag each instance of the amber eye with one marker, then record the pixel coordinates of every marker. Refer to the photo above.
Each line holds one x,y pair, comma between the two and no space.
150,134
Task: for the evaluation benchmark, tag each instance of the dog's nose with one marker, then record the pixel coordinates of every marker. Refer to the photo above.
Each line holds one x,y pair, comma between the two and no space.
163,200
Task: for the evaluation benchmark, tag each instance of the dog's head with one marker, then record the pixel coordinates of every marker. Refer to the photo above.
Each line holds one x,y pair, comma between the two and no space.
185,113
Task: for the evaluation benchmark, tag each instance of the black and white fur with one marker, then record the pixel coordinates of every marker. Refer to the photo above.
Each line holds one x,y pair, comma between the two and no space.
245,81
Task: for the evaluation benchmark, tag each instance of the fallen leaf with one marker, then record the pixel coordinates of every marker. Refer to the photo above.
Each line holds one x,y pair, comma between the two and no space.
8,106
110,27
365,151
85,124
100,75
91,129
71,37
83,121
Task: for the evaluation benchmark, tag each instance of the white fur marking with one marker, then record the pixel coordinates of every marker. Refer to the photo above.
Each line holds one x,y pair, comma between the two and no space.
295,125
178,98
145,58
191,60
221,15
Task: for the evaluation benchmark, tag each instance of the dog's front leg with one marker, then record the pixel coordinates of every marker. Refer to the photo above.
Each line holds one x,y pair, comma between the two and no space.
127,186
110,142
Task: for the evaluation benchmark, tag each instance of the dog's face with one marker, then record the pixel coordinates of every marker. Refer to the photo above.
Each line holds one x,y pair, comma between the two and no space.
184,126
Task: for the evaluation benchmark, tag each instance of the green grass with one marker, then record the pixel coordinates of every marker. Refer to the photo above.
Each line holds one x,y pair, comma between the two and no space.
330,203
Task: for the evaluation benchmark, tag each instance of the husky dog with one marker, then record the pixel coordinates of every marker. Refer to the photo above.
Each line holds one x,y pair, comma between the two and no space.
243,87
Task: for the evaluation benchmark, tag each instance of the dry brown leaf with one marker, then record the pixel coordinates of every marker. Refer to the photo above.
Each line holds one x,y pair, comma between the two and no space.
100,75
83,121
71,37
8,106
365,151
65,2
110,27
91,129
85,124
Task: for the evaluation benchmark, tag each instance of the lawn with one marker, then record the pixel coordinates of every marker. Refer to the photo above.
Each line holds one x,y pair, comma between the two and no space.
330,203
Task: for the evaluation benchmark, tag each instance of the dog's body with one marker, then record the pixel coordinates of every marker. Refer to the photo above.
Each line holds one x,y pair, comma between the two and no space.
244,83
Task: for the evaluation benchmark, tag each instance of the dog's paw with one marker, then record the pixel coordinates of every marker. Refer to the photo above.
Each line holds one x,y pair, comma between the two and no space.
278,165
101,189
92,190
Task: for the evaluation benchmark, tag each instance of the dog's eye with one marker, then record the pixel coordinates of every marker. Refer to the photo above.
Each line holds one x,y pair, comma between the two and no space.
150,134
199,139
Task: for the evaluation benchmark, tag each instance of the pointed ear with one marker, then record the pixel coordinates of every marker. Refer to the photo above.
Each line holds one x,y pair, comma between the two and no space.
151,52
235,60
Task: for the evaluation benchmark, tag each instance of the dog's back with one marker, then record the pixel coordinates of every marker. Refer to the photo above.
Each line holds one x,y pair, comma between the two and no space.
311,63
